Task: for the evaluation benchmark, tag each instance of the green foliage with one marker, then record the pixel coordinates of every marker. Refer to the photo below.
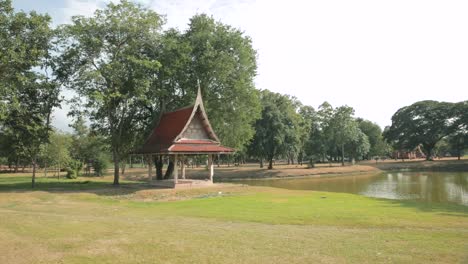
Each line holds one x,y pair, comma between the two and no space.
73,169
276,129
101,164
89,148
57,151
104,66
378,146
27,95
218,57
423,123
224,62
24,44
335,131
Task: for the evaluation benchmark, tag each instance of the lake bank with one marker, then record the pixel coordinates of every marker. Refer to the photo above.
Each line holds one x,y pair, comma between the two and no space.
281,171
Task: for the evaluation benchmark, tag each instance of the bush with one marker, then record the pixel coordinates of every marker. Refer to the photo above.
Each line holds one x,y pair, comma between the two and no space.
100,165
73,169
71,174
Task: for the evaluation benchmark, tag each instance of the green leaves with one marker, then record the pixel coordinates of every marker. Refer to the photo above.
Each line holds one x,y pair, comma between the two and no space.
423,123
102,60
277,129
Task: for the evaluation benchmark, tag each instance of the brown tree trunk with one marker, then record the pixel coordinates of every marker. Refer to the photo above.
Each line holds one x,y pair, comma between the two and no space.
342,154
158,162
33,180
261,163
124,165
169,170
116,168
270,164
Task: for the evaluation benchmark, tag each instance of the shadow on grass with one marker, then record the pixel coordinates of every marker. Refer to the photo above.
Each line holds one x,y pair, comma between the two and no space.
448,209
93,185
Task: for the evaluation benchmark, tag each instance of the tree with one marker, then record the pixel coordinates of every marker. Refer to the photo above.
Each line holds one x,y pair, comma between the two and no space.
423,123
320,142
343,129
223,60
358,146
57,152
27,124
24,43
307,119
102,60
458,140
378,147
88,147
270,139
27,94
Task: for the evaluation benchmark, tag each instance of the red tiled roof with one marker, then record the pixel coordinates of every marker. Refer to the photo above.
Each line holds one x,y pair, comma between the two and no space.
170,128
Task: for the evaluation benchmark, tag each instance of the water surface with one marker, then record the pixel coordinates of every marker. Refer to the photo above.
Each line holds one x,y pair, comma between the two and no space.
440,187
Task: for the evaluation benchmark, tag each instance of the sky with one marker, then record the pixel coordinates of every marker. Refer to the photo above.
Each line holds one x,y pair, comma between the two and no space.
375,56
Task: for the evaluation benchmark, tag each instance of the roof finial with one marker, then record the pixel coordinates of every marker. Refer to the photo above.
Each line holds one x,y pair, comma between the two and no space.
199,89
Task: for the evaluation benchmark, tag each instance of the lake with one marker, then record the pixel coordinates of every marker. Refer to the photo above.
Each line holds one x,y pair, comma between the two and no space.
429,187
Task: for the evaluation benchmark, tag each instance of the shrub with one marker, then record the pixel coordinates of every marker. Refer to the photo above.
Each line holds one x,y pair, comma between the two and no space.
100,164
73,169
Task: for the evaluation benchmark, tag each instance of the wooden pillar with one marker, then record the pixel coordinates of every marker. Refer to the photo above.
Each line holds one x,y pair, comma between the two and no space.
210,166
182,165
176,169
150,167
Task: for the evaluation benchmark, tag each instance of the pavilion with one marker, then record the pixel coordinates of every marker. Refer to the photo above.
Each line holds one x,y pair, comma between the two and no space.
181,133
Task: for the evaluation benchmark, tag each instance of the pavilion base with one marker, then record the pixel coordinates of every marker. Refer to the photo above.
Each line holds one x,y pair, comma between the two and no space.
181,183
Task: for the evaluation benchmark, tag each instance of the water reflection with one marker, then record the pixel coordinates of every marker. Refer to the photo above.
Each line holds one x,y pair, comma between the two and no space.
428,186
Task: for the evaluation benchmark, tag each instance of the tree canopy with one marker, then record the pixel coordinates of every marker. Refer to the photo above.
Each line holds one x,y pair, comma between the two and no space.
423,123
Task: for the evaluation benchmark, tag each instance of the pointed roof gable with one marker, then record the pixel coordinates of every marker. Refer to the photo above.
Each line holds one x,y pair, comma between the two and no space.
168,135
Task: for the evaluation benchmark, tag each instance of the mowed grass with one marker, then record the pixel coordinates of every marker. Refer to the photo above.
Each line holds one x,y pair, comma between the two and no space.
88,221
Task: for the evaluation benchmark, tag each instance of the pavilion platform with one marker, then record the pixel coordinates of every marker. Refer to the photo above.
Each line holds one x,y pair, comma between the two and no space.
181,183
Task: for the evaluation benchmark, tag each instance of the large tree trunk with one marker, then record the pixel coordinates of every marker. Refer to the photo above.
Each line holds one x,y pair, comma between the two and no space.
124,165
261,162
17,165
33,180
428,149
116,168
270,164
169,170
342,154
159,167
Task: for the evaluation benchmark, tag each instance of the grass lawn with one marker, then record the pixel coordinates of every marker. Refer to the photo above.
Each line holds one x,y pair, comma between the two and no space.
88,221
